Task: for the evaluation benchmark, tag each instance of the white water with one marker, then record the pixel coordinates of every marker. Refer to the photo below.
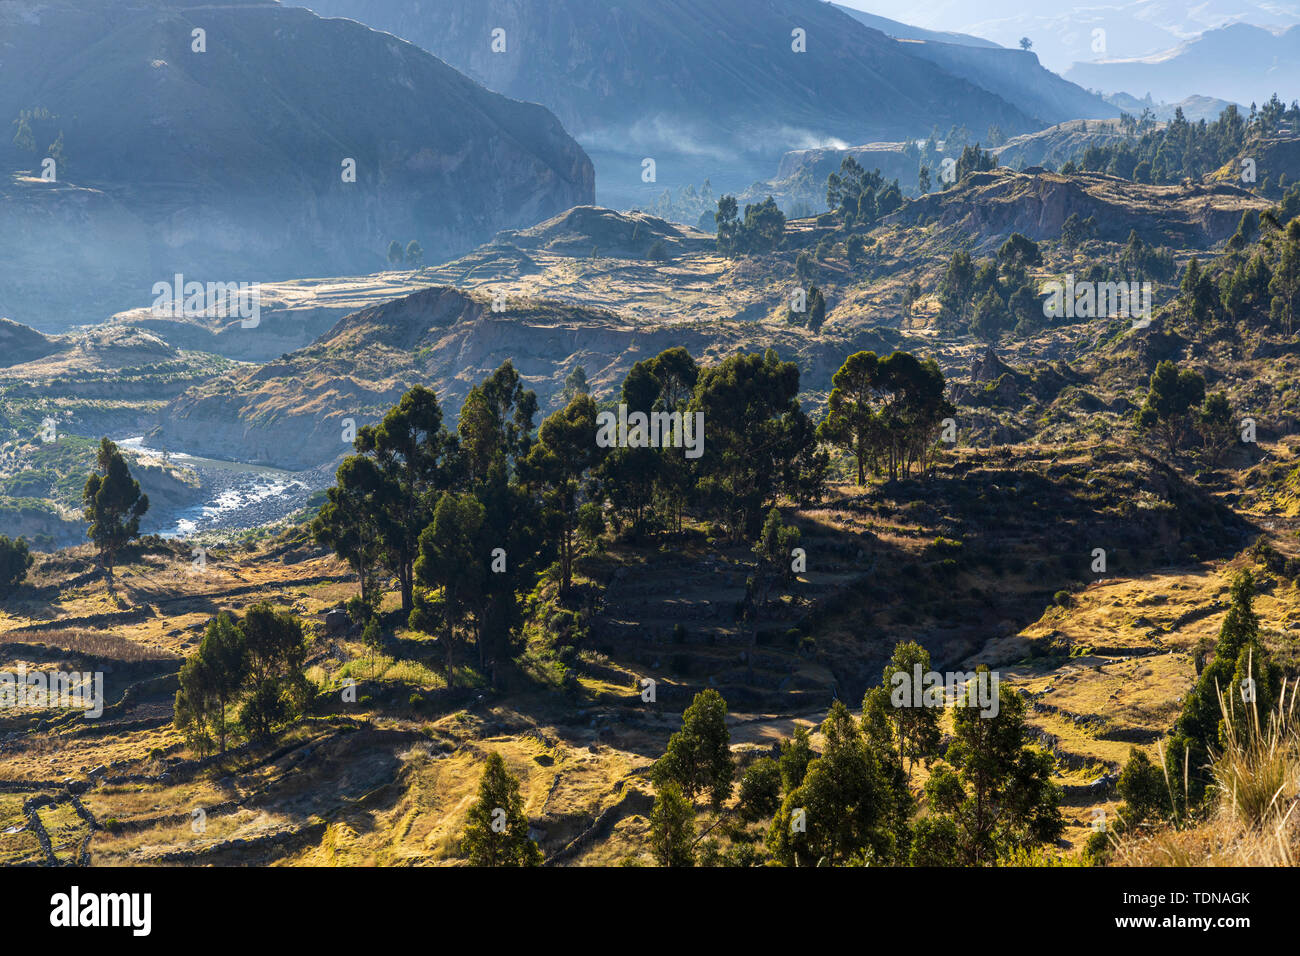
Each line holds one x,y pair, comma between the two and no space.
238,495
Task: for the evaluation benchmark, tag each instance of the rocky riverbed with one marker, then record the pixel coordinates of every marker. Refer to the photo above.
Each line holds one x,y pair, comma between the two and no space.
232,496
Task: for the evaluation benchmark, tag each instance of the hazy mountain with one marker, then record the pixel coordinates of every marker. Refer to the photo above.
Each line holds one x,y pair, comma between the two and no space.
1242,63
705,89
1063,31
1195,108
1018,77
225,159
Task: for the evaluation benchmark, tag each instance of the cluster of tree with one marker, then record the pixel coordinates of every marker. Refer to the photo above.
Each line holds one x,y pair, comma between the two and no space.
1257,284
255,665
990,794
958,143
994,295
33,126
412,255
887,413
1177,407
689,205
860,197
813,314
762,230
465,522
1184,149
757,444
464,518
15,560
113,504
1138,260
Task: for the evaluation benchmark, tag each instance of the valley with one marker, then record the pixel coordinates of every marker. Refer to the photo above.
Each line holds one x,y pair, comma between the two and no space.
997,379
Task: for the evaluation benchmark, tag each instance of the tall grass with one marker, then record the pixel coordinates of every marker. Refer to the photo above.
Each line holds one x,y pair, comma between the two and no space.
1252,819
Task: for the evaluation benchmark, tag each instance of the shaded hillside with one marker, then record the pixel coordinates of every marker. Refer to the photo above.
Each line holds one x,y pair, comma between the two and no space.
278,100
689,84
19,344
1017,77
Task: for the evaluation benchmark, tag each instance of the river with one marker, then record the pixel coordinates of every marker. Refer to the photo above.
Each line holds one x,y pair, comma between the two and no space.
233,495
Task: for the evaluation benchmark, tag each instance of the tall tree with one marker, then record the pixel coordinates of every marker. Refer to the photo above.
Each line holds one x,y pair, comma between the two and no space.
496,829
698,757
575,384
565,452
277,651
114,504
915,726
414,460
348,522
1173,395
1239,655
211,679
796,755
851,420
455,558
672,827
847,807
996,791
15,559
753,425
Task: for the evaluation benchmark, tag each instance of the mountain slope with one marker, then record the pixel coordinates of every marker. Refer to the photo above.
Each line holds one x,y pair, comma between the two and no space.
1013,74
706,89
1017,77
231,160
904,31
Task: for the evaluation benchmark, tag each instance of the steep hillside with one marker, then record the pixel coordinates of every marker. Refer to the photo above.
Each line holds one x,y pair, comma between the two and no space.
20,344
228,162
688,83
1017,77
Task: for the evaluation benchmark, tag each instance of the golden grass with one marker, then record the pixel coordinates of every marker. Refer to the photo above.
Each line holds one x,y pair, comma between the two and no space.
1253,821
